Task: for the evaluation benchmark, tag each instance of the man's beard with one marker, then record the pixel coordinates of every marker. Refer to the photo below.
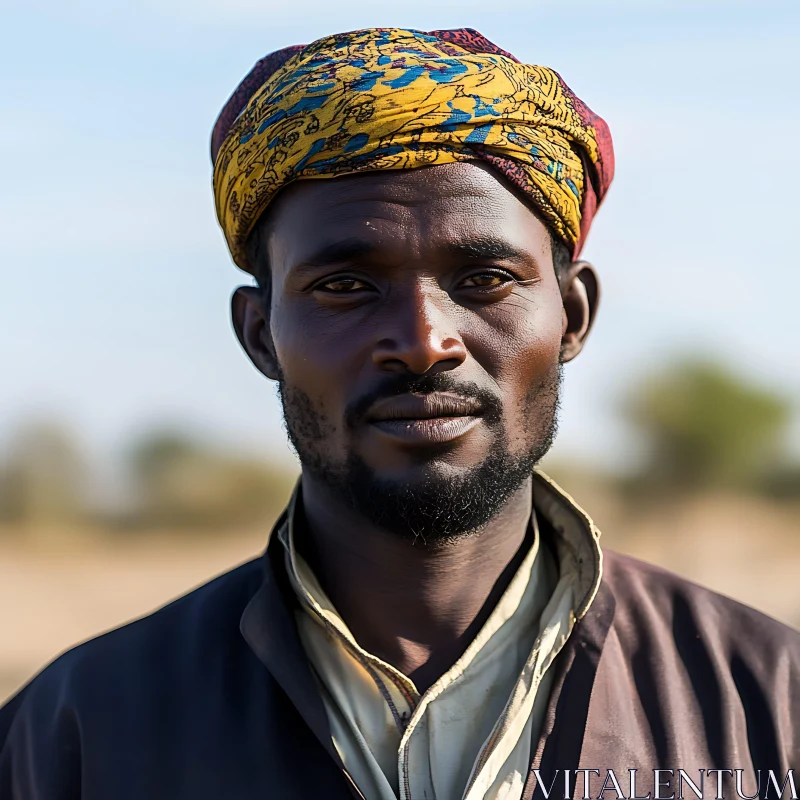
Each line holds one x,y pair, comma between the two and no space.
438,508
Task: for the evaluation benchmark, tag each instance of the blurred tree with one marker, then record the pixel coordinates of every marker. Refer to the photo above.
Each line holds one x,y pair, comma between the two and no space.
182,483
783,482
43,478
705,427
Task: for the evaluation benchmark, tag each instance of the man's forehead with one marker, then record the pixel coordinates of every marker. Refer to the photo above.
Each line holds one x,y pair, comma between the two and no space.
446,199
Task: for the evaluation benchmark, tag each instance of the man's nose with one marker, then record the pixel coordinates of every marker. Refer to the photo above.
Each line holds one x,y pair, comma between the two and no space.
419,333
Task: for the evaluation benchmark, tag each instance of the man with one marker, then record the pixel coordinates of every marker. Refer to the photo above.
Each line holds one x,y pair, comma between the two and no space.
433,617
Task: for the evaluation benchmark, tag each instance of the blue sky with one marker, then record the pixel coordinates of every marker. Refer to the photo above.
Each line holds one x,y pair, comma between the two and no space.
115,277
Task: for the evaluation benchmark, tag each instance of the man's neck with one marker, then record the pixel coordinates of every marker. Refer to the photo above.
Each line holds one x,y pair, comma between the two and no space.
416,607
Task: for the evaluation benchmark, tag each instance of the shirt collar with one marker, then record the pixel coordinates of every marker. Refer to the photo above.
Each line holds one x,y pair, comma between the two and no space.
268,627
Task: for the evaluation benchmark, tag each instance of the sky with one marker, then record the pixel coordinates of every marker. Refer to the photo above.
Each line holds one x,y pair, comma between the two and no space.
116,280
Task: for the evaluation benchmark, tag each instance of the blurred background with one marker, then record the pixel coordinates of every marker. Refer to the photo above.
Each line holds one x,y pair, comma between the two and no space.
140,453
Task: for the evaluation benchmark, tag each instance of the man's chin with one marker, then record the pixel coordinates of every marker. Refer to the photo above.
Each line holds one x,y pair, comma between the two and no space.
432,471
435,501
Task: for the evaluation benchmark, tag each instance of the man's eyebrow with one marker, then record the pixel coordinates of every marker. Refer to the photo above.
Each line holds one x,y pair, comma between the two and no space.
352,249
487,248
476,248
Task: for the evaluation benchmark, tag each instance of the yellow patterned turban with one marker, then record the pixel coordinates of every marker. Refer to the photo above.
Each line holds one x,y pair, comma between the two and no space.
388,98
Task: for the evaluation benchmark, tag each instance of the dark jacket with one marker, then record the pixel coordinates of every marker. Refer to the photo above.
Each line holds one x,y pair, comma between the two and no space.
212,698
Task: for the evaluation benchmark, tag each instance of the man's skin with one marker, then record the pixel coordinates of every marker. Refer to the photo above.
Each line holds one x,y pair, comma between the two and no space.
401,273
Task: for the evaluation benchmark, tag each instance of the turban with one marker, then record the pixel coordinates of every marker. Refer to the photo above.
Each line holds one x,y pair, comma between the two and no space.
388,98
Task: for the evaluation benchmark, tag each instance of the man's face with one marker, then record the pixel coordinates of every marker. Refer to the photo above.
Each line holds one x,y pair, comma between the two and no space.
415,327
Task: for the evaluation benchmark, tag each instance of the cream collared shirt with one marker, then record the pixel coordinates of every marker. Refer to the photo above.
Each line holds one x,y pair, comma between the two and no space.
470,735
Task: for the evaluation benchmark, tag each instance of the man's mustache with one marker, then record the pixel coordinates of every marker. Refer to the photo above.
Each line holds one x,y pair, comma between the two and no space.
491,406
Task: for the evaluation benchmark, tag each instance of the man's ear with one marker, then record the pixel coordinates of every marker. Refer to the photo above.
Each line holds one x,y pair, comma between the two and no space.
250,316
580,295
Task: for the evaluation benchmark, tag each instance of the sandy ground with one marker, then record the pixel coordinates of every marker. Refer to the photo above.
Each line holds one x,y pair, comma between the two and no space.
53,596
57,591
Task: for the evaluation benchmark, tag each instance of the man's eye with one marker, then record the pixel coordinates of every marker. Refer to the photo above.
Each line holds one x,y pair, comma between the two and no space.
342,285
486,280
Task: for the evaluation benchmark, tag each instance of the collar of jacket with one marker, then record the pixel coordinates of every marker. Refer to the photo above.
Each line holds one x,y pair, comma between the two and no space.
268,627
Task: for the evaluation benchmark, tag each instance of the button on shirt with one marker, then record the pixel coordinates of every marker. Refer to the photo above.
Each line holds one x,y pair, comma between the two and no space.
469,735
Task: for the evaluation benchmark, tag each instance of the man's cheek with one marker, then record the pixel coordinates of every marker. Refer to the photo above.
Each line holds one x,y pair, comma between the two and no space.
526,366
304,370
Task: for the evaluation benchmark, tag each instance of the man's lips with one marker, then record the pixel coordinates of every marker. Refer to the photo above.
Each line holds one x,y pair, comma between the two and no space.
425,418
414,407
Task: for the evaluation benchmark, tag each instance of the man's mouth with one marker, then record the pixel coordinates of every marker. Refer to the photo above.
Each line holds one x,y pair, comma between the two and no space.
413,407
425,418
